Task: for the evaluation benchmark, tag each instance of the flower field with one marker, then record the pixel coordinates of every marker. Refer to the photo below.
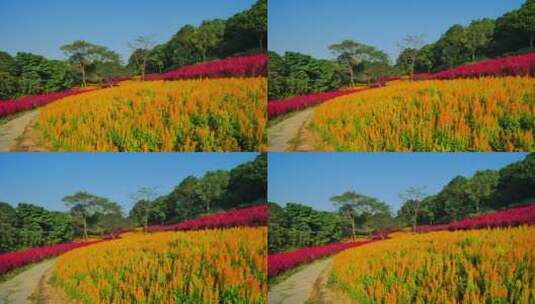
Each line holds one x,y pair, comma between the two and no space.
518,65
249,216
16,259
486,114
243,66
188,115
478,266
522,215
216,266
284,261
281,107
9,107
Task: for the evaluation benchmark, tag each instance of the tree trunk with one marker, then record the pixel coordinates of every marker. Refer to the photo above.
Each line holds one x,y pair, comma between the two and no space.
85,229
532,39
83,76
146,224
351,74
261,40
353,228
143,68
413,62
414,224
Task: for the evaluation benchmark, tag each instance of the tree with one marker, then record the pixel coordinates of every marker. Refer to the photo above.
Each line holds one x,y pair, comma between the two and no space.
60,227
181,50
353,205
246,30
141,47
213,188
247,183
526,20
410,45
82,205
143,200
516,183
8,228
277,227
483,187
208,36
256,21
412,200
352,53
84,54
478,36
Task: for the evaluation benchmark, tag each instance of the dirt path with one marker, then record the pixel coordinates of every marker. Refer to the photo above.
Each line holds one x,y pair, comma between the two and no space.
20,288
287,134
298,288
13,129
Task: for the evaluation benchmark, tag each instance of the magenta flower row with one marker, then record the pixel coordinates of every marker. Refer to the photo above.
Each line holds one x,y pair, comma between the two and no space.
518,65
12,106
249,216
523,215
243,66
283,106
284,261
15,259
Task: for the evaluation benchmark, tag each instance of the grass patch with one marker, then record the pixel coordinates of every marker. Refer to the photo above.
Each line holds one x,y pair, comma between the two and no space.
13,273
285,275
6,119
276,120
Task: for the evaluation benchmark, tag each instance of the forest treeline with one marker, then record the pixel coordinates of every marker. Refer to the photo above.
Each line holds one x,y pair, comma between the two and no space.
296,225
29,225
293,73
27,73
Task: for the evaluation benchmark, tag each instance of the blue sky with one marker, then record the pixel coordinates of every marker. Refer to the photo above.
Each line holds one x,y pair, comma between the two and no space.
312,178
42,26
310,26
45,178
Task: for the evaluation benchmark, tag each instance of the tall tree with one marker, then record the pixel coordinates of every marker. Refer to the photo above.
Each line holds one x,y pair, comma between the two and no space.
352,53
141,47
526,20
478,36
412,200
483,188
82,205
84,54
208,36
213,188
410,45
143,201
353,205
8,228
248,183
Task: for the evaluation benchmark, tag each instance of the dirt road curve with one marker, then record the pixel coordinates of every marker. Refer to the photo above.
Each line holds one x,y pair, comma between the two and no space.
282,135
298,288
13,129
20,288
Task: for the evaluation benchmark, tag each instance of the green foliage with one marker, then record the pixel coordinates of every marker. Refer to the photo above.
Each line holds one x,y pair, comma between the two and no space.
297,225
297,74
355,56
214,191
482,38
247,183
91,60
28,225
485,191
243,33
87,210
8,228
